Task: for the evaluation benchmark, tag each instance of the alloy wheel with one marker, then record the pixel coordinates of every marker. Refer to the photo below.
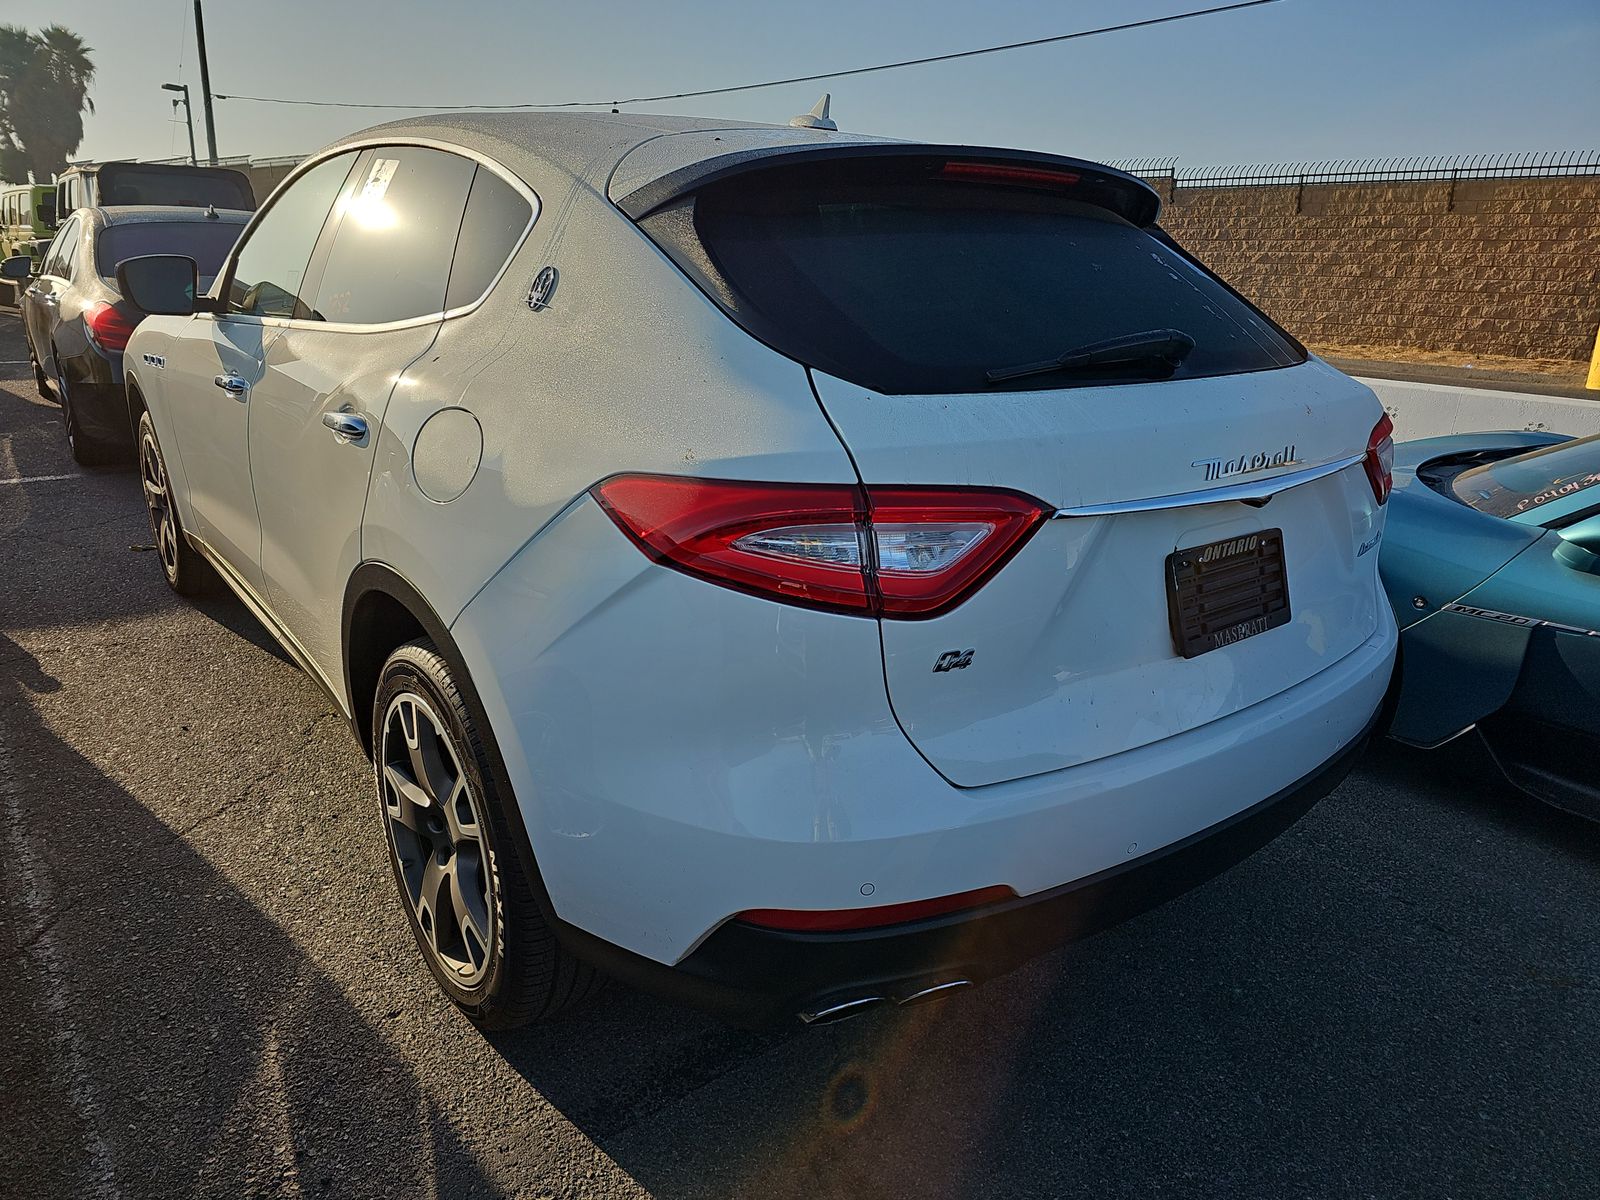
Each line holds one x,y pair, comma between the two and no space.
66,413
157,499
436,835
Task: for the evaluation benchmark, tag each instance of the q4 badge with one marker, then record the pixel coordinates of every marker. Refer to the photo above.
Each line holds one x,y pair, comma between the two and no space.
953,660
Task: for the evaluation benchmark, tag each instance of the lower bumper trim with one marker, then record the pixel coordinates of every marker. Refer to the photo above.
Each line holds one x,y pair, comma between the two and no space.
758,977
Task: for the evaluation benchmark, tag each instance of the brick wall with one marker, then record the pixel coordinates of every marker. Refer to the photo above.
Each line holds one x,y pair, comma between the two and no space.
1501,267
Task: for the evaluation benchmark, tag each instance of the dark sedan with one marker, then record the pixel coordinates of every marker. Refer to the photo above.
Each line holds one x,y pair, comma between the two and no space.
78,322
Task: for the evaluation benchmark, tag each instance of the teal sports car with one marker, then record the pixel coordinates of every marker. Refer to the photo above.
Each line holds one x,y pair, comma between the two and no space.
1491,558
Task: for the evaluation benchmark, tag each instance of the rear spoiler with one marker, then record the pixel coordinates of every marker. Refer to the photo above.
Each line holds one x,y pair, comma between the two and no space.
1106,187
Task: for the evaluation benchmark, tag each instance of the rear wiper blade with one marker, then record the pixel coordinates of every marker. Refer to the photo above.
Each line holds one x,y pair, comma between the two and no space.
1155,348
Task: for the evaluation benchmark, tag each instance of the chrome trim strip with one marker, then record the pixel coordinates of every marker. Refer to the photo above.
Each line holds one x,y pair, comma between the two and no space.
1260,489
838,1012
934,992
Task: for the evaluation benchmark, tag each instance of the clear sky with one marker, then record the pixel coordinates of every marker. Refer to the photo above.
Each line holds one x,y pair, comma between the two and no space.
1302,79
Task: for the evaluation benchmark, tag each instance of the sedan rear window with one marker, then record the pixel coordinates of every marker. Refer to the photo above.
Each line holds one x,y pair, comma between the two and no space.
1514,486
207,242
915,278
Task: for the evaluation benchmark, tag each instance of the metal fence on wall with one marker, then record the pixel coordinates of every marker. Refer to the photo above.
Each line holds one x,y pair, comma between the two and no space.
1422,168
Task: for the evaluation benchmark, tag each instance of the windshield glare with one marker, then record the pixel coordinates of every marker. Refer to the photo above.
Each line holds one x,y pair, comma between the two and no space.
1514,486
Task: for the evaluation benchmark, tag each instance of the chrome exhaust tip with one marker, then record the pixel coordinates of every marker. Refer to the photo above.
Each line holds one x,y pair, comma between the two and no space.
937,992
842,1011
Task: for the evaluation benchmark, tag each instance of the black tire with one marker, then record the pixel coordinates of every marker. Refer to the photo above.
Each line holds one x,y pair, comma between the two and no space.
523,974
186,572
40,379
86,451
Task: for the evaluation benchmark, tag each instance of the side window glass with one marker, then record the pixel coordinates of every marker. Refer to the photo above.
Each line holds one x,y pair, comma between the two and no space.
390,257
61,249
496,216
270,270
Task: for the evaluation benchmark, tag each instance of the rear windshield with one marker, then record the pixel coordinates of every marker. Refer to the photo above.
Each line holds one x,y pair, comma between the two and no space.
207,242
184,189
908,281
1514,486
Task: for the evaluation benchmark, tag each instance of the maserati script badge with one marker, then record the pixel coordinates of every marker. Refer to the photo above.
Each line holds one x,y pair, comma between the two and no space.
1245,464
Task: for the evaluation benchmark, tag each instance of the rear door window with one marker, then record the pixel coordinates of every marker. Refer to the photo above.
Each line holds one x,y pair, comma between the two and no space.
269,275
395,237
909,277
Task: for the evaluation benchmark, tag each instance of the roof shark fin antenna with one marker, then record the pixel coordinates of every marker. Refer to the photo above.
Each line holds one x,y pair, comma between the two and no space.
817,118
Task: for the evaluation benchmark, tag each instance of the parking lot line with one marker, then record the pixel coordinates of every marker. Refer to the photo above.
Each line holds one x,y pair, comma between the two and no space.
38,479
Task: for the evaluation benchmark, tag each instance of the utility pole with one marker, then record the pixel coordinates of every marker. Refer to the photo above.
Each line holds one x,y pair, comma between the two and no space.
188,113
205,83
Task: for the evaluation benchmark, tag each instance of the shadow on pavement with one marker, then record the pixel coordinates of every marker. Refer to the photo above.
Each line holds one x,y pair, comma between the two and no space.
1391,999
158,1027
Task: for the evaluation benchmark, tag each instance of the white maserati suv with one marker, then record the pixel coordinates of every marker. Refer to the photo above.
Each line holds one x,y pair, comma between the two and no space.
794,571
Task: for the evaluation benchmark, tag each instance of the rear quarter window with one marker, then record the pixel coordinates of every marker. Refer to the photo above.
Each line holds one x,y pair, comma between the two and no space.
906,280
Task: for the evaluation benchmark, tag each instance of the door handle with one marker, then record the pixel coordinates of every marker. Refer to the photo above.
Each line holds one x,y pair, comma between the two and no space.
346,426
231,384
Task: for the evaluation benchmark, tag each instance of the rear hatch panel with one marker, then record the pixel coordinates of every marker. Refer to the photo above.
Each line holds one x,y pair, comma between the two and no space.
955,308
1073,657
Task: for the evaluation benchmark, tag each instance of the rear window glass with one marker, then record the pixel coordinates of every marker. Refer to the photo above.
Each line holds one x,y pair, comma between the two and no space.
900,279
184,189
1514,486
207,242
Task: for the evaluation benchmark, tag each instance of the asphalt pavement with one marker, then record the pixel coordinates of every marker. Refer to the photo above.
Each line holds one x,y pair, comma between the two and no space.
208,988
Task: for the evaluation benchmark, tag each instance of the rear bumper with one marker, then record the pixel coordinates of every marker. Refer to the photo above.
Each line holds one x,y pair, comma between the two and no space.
682,753
98,400
759,977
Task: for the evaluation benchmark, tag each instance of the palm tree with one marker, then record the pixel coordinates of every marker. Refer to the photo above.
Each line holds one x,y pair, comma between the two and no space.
44,92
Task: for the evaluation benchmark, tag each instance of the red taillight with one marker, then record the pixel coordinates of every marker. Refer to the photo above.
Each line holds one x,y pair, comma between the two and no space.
805,920
889,551
981,172
107,328
1380,459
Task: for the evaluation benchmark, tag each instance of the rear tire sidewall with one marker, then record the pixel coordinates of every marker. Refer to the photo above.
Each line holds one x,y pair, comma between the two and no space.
40,379
75,441
189,574
419,669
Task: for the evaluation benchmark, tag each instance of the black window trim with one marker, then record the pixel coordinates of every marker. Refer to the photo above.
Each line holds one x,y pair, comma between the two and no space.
224,281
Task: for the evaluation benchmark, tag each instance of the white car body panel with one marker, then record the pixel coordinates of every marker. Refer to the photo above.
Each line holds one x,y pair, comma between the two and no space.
1073,659
685,392
209,428
775,775
682,752
312,484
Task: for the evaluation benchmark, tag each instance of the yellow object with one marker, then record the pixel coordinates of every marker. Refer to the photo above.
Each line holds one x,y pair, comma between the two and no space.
1593,382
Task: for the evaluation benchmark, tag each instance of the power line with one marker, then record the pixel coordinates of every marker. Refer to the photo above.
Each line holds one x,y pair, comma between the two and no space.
772,83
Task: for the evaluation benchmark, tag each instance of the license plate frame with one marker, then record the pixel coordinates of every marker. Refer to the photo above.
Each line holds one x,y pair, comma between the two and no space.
1224,592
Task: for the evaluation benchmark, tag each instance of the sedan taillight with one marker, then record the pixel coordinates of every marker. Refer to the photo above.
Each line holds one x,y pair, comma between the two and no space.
904,552
107,327
1380,459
